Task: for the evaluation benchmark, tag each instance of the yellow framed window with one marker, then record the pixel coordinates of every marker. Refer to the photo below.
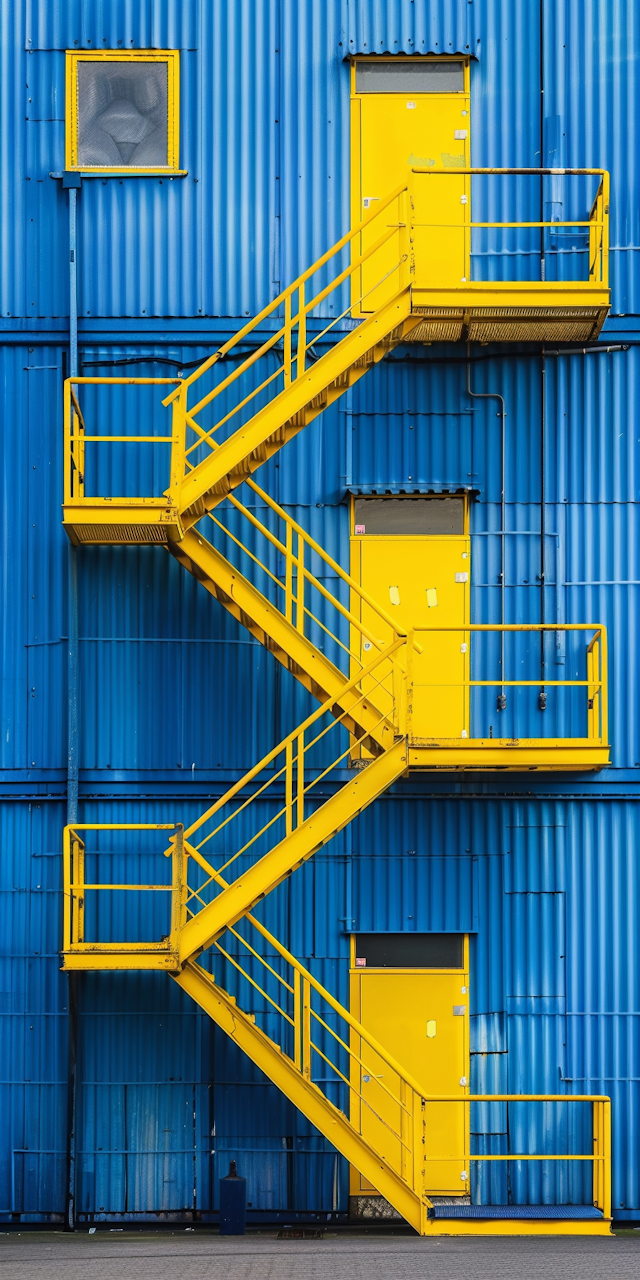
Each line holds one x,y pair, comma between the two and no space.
123,111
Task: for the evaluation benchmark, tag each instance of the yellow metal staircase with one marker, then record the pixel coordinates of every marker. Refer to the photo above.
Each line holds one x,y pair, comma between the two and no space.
359,673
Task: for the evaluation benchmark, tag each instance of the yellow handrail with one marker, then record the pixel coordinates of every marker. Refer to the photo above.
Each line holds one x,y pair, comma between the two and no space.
290,289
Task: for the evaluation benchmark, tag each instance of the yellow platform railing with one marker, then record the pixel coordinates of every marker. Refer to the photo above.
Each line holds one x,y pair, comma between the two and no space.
594,683
428,194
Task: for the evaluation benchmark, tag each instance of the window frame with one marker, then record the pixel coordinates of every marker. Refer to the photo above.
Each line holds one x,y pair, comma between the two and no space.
172,59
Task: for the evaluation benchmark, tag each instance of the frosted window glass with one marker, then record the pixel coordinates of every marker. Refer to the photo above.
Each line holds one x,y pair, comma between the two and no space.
122,114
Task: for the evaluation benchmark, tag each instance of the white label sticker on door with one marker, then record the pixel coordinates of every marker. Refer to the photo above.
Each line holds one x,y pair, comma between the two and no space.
462,577
459,1010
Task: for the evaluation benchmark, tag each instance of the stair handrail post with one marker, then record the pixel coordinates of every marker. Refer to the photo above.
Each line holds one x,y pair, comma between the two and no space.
601,1110
68,449
604,692
407,687
288,786
297,1019
419,1145
77,868
306,1029
300,779
73,902
287,339
604,272
405,227
288,572
178,443
66,880
179,887
593,709
300,586
302,331
606,1120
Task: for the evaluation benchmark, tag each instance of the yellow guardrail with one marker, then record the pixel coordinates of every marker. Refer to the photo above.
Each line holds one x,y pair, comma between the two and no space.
597,222
595,683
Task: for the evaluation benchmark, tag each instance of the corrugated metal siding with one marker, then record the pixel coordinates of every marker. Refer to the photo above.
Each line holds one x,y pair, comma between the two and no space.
266,139
176,699
393,26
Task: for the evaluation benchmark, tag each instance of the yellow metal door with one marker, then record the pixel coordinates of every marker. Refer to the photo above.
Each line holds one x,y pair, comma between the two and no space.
424,582
422,1019
391,133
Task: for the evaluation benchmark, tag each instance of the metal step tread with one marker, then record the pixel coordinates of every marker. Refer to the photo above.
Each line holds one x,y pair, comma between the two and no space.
578,1212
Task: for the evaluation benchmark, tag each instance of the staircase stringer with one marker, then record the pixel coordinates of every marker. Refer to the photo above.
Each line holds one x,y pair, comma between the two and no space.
248,447
296,848
291,648
332,1123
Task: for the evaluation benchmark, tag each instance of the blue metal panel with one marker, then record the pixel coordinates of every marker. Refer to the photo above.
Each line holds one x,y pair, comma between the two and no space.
33,1015
392,26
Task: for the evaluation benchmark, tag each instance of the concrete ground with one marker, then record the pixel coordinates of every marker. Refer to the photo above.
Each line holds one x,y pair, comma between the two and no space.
262,1256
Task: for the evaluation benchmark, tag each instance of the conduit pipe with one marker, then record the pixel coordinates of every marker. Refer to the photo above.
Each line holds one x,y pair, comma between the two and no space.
501,701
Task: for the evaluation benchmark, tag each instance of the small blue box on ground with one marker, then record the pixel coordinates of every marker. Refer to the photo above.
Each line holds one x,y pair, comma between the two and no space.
233,1203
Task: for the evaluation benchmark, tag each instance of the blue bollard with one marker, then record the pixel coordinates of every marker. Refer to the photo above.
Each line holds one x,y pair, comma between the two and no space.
233,1203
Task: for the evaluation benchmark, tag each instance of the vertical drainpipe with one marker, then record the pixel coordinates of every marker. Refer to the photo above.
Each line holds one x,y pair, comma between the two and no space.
72,654
542,696
72,725
543,274
501,701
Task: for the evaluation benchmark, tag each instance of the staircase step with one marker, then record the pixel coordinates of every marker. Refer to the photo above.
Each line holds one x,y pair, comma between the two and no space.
521,1212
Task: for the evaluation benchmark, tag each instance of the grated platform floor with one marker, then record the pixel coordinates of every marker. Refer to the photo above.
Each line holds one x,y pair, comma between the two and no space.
576,1212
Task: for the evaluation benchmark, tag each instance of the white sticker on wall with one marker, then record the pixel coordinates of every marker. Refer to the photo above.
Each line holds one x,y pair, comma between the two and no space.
460,135
462,577
411,106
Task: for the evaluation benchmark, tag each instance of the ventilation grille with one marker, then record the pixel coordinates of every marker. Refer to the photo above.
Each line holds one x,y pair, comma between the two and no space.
120,533
507,324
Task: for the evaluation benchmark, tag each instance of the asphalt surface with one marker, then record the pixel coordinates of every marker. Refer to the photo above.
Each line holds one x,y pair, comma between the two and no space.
195,1256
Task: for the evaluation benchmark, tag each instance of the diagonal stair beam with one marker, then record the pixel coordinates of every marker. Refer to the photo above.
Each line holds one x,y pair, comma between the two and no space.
266,874
306,1096
270,627
285,415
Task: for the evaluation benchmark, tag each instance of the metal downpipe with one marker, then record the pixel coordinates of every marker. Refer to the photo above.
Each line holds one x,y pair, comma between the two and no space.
501,701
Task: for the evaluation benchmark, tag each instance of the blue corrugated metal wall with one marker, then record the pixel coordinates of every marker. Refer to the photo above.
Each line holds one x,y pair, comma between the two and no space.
542,872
